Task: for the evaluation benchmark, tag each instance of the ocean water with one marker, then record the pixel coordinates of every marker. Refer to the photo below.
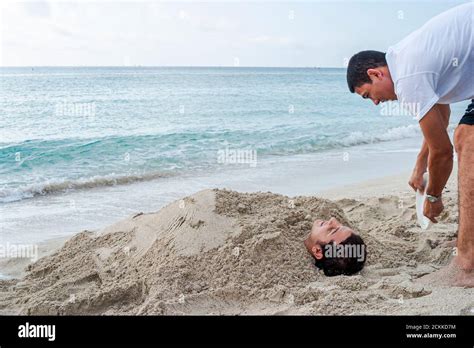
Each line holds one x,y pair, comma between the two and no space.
91,134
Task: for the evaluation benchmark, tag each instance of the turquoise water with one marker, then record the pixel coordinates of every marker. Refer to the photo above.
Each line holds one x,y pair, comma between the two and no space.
64,129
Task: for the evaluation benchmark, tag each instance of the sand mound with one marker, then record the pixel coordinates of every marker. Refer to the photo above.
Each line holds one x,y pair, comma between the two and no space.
224,252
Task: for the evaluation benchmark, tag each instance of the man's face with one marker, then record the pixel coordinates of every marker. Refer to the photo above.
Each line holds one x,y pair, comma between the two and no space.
381,89
323,232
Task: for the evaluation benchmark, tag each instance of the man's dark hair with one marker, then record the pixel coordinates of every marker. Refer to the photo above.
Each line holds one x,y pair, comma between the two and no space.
347,265
358,66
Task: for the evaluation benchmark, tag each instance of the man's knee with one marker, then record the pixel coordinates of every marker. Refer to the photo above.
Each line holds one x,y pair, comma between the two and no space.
459,138
463,136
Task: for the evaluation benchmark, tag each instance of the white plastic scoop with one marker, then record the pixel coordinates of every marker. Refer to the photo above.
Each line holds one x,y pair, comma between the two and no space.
423,221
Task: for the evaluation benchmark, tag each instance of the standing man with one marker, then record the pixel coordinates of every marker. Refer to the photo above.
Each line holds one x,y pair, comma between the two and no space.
426,71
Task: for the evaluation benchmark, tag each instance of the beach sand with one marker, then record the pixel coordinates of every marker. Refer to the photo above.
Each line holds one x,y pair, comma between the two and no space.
225,252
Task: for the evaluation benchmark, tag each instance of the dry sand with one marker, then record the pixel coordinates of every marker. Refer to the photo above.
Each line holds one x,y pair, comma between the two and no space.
224,252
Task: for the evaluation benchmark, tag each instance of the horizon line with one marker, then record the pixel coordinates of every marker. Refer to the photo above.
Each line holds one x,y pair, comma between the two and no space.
168,66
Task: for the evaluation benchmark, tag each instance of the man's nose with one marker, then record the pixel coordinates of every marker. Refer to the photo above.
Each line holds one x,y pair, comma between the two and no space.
376,101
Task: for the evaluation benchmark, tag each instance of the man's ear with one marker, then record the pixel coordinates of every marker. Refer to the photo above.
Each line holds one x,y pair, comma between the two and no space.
317,251
374,74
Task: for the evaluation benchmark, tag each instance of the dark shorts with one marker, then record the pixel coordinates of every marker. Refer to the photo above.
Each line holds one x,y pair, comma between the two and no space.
468,117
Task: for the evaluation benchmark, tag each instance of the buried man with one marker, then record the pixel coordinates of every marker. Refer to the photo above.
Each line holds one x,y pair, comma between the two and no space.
336,248
426,71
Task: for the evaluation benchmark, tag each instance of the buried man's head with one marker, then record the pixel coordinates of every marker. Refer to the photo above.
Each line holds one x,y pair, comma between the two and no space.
368,76
336,248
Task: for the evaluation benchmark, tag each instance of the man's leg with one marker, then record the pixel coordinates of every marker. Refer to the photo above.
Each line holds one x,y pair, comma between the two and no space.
460,272
464,145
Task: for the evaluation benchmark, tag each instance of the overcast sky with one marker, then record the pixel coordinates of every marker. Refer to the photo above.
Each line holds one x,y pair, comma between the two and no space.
194,33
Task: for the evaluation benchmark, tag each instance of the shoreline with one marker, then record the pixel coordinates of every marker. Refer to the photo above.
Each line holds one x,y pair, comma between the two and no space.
62,215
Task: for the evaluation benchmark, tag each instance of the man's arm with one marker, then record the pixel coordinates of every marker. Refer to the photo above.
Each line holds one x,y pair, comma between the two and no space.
421,164
440,157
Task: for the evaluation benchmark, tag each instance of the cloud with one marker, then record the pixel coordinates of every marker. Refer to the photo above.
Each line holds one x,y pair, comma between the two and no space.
217,25
207,23
61,31
275,41
37,8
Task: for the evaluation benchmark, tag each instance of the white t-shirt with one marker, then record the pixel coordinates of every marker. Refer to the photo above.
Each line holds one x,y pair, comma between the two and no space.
435,64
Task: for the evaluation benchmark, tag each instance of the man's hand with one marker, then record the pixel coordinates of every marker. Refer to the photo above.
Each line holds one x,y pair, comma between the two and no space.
432,210
416,180
440,157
